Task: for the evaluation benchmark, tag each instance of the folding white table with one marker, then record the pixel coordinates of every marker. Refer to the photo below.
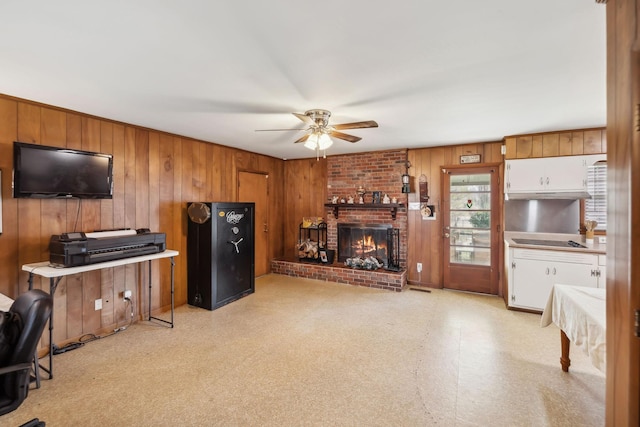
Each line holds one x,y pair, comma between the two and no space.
55,274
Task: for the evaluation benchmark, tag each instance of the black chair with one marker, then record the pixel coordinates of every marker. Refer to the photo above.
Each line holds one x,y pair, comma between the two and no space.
34,308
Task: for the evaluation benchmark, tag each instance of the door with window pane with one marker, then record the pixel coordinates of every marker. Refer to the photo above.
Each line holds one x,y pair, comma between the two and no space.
471,229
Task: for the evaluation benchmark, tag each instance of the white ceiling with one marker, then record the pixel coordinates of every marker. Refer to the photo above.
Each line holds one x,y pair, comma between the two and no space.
431,73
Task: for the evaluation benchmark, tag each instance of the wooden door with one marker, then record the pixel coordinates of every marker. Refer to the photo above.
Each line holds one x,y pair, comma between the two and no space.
471,224
623,212
254,187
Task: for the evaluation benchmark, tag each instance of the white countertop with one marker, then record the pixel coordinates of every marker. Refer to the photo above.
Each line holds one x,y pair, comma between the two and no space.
595,248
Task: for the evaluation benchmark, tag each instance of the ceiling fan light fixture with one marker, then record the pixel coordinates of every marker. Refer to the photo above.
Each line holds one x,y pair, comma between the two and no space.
318,141
319,133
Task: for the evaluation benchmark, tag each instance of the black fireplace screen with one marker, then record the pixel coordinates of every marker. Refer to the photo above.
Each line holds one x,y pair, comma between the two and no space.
368,240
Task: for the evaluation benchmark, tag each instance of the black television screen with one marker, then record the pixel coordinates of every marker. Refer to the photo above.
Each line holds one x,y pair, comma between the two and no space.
40,171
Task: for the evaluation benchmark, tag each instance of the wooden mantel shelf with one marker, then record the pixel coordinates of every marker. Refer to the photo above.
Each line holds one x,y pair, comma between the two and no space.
393,207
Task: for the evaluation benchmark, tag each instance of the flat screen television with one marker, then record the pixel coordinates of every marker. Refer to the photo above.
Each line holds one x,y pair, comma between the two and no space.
40,171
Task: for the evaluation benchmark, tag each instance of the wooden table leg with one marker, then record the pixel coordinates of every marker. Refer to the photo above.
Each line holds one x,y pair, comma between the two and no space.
564,359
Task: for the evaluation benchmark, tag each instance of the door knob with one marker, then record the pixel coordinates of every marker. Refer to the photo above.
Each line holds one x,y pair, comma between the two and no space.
446,235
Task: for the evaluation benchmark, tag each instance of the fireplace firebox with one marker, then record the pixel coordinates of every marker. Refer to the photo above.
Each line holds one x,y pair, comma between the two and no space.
368,240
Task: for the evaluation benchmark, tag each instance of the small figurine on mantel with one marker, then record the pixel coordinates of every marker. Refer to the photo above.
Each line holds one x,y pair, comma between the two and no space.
334,199
386,199
394,200
350,200
361,192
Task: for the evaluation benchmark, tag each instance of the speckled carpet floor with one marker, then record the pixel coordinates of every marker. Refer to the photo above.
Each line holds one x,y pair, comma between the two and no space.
301,352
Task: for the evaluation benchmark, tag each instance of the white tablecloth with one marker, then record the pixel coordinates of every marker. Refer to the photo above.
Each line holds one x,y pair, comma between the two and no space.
581,313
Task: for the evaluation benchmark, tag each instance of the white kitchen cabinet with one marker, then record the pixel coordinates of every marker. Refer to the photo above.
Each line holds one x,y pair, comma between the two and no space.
566,174
525,175
533,273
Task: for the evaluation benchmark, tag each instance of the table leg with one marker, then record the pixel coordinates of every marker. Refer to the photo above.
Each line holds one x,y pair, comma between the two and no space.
52,291
173,264
172,295
36,364
564,359
149,289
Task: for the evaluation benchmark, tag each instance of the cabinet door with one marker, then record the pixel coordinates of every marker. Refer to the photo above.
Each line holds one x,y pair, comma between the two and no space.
565,273
531,284
524,176
565,174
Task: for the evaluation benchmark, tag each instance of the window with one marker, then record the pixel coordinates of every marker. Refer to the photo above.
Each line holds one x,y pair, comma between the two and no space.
595,208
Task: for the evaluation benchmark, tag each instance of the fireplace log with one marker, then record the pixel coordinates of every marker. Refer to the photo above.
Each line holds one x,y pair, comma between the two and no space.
308,249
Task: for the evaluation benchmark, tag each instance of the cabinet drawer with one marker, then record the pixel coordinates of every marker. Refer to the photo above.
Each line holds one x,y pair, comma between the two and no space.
557,256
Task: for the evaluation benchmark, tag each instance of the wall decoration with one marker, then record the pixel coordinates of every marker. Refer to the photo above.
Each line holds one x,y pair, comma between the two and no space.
428,212
469,158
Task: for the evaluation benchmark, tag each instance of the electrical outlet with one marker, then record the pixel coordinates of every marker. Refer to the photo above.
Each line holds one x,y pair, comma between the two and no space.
602,240
98,304
127,294
419,267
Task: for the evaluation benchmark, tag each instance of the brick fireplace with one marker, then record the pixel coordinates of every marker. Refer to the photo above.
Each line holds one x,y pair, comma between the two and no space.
375,171
379,171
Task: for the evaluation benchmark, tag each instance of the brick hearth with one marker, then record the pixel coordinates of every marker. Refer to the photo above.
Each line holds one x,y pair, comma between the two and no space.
380,279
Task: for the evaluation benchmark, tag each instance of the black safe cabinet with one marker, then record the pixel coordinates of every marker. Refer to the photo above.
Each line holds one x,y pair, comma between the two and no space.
220,253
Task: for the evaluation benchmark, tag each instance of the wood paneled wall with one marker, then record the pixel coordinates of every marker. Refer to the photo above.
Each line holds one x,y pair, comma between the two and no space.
305,185
155,175
425,236
553,144
306,193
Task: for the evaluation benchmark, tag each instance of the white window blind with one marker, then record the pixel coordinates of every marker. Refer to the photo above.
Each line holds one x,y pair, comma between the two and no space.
595,208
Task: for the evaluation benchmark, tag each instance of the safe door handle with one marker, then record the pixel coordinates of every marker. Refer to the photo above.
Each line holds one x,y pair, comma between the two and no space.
235,244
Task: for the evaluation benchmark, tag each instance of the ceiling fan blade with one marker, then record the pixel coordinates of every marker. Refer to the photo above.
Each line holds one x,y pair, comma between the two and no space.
308,120
303,139
344,136
274,130
356,125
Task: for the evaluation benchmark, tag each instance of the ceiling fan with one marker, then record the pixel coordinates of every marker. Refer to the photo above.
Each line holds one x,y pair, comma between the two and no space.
319,130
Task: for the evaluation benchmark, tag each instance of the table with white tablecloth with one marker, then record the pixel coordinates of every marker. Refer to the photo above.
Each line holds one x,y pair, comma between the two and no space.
580,313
